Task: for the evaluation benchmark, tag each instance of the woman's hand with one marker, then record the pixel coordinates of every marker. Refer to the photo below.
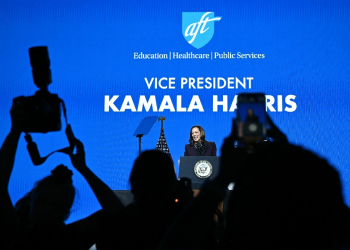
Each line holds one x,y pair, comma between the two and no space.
105,196
18,116
78,160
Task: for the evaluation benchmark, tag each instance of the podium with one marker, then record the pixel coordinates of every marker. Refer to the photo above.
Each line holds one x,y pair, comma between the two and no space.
199,169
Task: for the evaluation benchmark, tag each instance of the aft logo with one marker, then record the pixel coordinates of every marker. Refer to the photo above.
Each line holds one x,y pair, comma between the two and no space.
198,27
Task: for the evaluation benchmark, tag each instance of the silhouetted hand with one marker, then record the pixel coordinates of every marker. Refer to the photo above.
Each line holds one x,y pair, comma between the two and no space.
275,133
78,160
231,160
105,196
18,115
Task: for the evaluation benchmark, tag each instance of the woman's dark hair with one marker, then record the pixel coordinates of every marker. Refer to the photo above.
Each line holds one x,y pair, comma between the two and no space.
152,177
201,130
310,207
61,177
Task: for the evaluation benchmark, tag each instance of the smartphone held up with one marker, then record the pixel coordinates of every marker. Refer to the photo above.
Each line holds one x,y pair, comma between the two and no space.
251,119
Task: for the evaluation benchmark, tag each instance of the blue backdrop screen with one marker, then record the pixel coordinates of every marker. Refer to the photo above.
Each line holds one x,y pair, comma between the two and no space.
116,62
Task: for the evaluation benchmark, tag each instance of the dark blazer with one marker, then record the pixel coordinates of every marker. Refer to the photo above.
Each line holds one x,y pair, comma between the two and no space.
191,150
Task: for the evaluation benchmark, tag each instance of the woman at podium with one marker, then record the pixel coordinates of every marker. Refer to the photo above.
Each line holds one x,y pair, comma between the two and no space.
198,145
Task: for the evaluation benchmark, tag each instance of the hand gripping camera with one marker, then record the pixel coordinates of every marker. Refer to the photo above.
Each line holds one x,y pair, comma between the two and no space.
43,109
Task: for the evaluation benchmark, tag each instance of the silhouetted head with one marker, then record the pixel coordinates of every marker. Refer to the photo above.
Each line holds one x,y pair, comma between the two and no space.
285,197
48,204
197,134
152,178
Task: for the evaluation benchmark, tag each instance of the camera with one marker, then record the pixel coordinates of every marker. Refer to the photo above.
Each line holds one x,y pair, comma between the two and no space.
43,109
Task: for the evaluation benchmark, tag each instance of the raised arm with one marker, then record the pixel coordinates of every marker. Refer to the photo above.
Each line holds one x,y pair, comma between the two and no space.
7,157
105,196
8,218
85,229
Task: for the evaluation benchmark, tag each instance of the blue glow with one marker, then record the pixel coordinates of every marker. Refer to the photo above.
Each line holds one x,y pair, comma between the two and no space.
92,45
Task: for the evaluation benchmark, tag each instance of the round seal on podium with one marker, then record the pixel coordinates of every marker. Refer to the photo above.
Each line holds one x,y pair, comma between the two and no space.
203,169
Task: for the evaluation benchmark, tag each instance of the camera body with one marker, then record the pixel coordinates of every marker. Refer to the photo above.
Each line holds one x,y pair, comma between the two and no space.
43,110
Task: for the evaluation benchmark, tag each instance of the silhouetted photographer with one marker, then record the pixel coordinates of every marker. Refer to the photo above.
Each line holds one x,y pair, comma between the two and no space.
285,197
37,219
